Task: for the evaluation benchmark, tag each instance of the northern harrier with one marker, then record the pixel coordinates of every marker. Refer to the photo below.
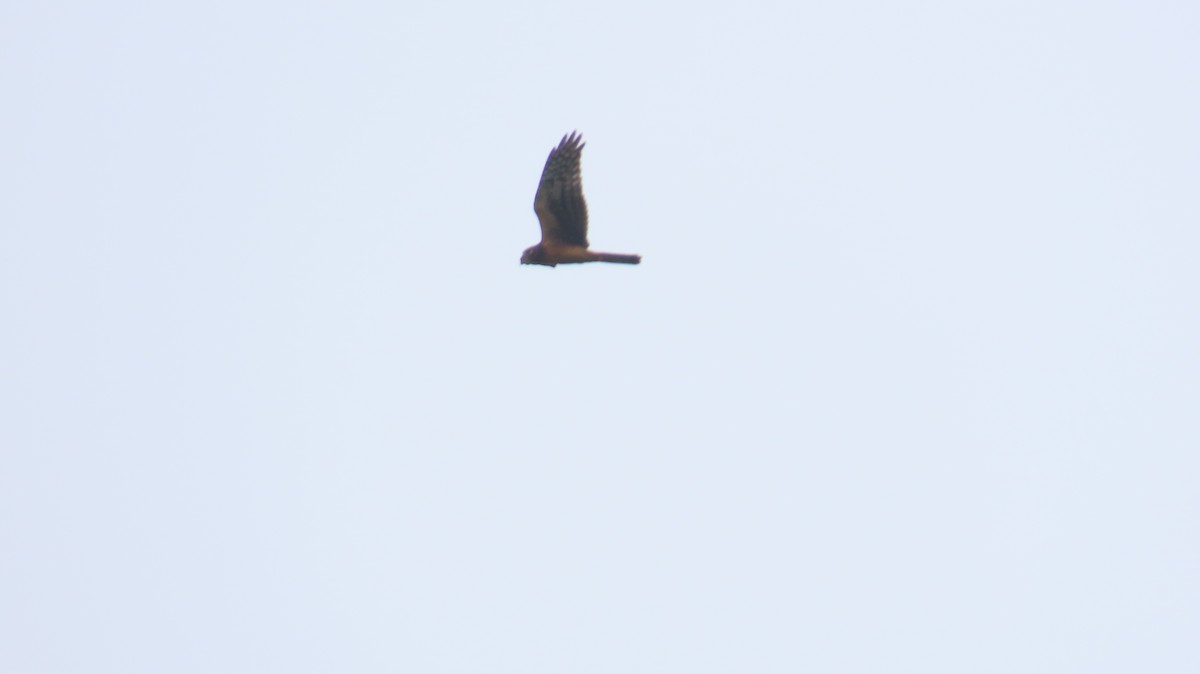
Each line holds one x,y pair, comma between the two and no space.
562,212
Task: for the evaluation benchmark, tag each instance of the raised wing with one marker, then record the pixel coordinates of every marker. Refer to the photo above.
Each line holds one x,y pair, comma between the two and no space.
559,202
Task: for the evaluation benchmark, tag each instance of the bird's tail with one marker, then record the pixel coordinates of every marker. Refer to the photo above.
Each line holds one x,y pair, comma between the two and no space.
619,258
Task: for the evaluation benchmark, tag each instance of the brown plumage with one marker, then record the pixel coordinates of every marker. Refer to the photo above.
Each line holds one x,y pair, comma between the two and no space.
562,212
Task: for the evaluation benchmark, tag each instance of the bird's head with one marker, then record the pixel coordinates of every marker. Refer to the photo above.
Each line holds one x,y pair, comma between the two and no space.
535,255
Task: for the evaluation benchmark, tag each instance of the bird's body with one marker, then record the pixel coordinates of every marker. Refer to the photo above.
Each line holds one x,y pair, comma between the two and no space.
562,212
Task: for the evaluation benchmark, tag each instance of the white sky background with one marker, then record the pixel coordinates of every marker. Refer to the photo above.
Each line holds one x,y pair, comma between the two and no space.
908,380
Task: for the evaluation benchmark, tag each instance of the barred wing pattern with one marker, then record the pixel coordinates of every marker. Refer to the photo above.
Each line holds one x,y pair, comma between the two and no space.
559,202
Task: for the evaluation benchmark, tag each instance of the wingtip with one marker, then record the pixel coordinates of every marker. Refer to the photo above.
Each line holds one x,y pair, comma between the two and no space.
573,139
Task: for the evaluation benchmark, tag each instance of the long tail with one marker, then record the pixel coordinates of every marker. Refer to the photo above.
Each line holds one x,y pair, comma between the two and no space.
619,258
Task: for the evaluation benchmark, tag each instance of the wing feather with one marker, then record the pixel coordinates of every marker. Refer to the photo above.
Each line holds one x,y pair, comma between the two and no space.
559,202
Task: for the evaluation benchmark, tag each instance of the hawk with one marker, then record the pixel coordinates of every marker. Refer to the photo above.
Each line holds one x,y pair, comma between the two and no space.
562,212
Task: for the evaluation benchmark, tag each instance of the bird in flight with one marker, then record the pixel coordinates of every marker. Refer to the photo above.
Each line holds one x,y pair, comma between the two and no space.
562,212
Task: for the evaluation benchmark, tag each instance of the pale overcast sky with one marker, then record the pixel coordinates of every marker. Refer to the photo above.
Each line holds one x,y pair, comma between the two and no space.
908,379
